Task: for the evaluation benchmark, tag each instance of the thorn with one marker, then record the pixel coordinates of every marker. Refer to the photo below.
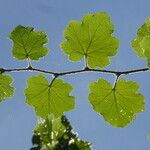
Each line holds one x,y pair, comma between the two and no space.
29,68
118,74
2,70
55,75
86,68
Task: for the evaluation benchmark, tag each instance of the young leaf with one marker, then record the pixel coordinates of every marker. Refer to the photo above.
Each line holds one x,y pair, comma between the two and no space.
6,90
141,44
28,44
92,39
49,98
56,134
117,105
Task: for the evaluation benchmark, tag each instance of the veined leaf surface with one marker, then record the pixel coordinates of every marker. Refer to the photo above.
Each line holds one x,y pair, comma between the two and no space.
141,43
6,90
91,39
28,44
49,98
117,105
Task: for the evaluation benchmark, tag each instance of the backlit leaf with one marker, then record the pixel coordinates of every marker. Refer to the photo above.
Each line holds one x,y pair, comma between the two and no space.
91,39
57,134
141,44
6,90
117,105
28,44
49,98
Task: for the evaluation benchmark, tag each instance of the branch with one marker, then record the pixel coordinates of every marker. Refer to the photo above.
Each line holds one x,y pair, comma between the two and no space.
86,69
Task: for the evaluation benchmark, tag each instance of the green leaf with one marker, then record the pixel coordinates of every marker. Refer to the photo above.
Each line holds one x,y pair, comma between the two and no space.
6,90
141,43
28,44
91,39
49,98
57,134
117,105
145,44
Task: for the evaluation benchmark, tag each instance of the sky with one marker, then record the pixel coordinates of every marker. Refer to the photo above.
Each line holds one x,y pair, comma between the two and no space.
17,119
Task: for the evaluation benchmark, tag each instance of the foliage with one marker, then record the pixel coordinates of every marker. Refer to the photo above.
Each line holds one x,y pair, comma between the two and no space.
53,97
6,90
28,44
141,44
91,40
119,104
55,134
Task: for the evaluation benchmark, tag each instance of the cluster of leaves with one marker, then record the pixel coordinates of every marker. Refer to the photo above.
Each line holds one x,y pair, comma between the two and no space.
91,40
57,134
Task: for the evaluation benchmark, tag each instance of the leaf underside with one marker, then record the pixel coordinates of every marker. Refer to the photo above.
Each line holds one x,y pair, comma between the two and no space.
91,39
118,106
28,44
141,43
57,134
49,98
6,90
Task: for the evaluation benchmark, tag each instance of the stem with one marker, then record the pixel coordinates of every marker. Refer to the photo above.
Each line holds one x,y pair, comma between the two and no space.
85,58
86,69
29,62
115,83
53,80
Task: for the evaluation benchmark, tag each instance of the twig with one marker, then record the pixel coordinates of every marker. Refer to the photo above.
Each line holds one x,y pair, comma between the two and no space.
86,69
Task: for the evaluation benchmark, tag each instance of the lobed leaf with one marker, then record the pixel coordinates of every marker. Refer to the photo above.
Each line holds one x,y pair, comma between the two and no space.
117,105
28,44
6,90
141,43
49,98
91,39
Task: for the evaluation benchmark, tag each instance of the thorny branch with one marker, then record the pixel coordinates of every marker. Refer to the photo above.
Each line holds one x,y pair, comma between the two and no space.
86,69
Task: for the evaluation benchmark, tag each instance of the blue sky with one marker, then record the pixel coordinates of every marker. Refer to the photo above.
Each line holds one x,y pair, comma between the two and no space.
18,119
